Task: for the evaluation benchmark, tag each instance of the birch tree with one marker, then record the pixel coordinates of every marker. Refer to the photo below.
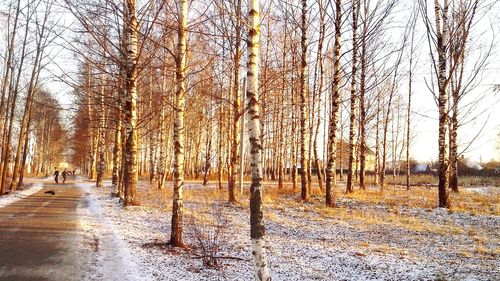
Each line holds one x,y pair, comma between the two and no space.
352,119
334,114
304,194
233,171
177,200
130,106
256,212
463,15
441,21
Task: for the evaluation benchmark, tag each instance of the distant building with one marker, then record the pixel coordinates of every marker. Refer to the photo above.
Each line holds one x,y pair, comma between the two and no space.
343,146
467,167
421,169
343,158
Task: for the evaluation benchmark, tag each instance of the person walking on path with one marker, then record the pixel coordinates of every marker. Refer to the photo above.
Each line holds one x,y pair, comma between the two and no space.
56,175
64,174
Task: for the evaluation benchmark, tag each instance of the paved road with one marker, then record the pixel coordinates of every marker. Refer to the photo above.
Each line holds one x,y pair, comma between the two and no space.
63,237
39,236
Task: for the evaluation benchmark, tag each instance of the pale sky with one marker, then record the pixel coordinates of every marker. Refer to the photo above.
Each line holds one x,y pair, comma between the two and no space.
486,125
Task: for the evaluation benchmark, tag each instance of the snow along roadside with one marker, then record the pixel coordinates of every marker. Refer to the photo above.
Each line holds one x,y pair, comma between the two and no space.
19,194
112,258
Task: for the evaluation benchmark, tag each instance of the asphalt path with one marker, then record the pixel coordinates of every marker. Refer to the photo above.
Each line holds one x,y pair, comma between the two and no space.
40,236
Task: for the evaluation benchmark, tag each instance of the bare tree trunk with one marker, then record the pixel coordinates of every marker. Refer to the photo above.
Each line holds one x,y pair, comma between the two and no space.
441,33
293,167
282,109
408,120
319,92
242,144
340,146
362,122
14,89
177,202
92,144
5,81
220,147
256,213
25,149
26,120
463,21
334,114
350,174
160,169
117,141
151,133
408,168
377,142
304,195
116,151
161,159
208,153
233,171
101,135
121,181
130,173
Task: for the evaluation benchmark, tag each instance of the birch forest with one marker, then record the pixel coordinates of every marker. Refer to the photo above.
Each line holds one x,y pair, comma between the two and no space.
249,139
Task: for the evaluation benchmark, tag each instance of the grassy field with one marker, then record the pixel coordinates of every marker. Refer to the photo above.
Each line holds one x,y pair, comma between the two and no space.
373,234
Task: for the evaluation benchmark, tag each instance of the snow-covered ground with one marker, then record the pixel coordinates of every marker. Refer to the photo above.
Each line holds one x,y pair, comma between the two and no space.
485,190
355,241
110,257
20,194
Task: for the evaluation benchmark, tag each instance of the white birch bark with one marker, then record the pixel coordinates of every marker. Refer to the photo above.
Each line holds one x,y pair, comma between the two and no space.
303,94
130,110
161,158
177,201
334,115
256,213
233,172
351,171
101,135
441,34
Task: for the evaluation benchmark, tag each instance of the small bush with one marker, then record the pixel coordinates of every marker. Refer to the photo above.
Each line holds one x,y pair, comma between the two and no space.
207,233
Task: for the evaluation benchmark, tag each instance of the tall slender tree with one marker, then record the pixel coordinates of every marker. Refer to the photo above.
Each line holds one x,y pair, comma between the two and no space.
354,98
233,171
256,213
176,239
304,194
334,114
130,175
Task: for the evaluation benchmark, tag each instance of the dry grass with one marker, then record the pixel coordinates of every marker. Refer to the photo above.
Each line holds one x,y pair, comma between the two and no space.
363,219
162,199
424,180
361,209
392,223
482,250
427,198
392,197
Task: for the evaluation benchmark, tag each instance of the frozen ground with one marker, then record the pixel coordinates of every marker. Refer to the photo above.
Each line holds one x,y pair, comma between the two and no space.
20,194
110,257
354,241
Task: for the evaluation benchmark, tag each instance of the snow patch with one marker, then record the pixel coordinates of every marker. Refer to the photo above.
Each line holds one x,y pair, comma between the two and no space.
19,194
302,244
112,256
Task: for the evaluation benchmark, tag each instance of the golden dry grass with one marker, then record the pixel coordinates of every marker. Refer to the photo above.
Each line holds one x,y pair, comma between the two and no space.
392,196
361,211
423,180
